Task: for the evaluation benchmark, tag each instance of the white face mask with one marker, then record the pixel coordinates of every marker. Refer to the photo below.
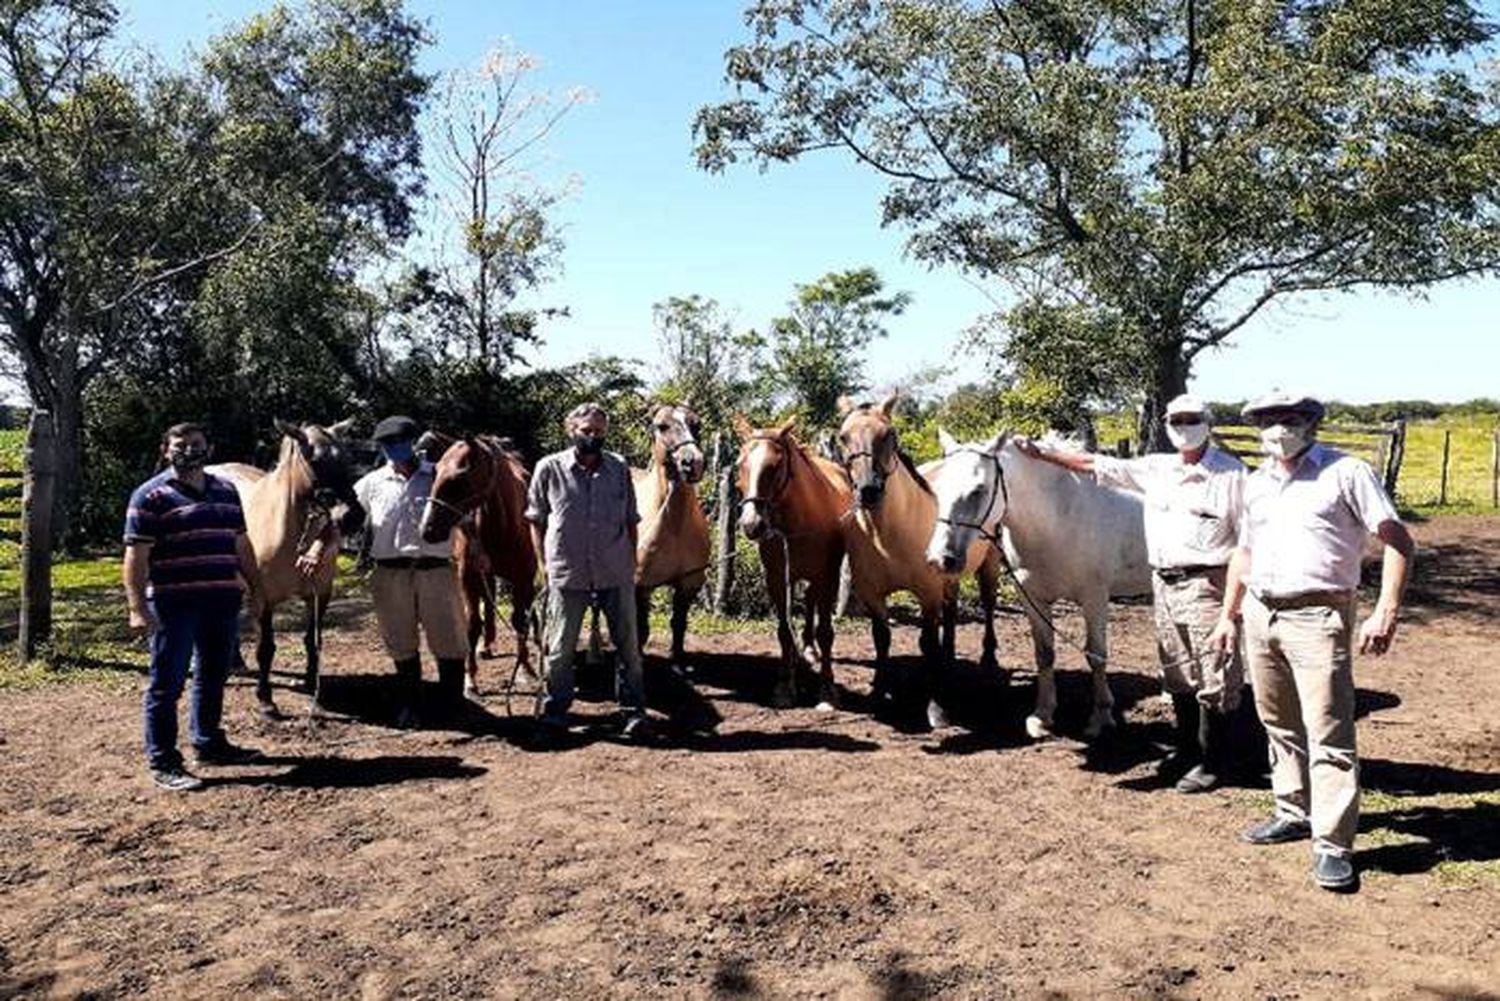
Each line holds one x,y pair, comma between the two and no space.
1187,437
1282,441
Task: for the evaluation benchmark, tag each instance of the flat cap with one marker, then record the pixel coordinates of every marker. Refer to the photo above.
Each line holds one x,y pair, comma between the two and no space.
1279,399
395,428
1187,403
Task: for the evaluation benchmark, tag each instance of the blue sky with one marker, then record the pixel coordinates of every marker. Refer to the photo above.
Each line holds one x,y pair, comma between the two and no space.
645,223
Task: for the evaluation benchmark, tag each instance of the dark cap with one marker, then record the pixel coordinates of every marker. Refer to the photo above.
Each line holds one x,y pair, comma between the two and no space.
394,428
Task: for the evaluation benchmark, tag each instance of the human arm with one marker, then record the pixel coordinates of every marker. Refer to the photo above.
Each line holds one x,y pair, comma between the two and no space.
539,544
135,572
1075,462
1379,629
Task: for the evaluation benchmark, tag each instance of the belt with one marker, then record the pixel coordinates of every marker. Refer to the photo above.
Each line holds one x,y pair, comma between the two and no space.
1306,599
1176,575
414,562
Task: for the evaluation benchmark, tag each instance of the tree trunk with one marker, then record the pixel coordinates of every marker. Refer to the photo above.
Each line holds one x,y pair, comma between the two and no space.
1169,373
67,417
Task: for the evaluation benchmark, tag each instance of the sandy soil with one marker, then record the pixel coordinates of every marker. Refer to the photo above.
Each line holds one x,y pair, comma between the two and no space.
784,854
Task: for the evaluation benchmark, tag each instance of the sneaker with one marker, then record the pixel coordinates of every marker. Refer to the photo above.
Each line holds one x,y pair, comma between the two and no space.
225,753
1335,872
175,778
1277,830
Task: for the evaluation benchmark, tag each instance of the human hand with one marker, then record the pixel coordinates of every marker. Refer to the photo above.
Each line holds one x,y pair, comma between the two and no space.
1225,632
143,621
307,563
1026,446
1378,630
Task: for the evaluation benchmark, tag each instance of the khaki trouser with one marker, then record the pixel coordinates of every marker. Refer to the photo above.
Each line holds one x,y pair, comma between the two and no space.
1185,613
406,598
1302,671
565,611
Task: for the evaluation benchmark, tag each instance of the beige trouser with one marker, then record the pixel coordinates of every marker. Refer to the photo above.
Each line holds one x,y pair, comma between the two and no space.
1302,671
406,598
1185,613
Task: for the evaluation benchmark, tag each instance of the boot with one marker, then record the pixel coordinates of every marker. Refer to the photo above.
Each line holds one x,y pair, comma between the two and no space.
408,692
1186,748
1213,729
451,686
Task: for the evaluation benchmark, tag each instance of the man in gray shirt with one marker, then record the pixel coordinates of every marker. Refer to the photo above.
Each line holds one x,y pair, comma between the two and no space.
583,517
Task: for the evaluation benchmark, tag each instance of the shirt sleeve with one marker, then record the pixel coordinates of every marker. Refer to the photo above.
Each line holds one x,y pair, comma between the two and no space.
1365,496
141,522
1125,474
538,507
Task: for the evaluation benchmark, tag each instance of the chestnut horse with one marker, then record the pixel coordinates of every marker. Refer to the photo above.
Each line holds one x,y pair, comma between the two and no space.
791,506
895,511
295,516
673,540
480,477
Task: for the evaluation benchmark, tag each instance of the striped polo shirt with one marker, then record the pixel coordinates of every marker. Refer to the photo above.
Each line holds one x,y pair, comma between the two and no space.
192,534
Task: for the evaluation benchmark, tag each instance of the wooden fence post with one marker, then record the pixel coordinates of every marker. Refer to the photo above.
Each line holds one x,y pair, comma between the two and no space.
1393,459
1495,470
1443,483
36,535
724,582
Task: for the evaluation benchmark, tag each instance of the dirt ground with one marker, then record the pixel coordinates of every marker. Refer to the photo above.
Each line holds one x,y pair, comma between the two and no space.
785,854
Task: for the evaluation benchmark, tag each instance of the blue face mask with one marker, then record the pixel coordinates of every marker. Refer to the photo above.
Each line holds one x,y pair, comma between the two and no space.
398,451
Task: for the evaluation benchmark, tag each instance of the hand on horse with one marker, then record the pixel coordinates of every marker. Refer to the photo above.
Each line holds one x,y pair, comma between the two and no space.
1026,446
307,563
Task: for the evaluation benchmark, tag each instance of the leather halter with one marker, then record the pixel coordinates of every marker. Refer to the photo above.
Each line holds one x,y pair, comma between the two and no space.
1001,491
783,479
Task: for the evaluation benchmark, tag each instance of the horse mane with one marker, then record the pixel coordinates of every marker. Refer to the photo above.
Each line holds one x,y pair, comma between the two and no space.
911,467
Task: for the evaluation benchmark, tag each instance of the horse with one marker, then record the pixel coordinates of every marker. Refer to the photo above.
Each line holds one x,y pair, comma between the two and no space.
887,536
302,507
673,539
1064,535
793,502
480,480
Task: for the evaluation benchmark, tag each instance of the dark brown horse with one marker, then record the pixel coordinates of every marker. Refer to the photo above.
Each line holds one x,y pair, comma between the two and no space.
792,505
479,478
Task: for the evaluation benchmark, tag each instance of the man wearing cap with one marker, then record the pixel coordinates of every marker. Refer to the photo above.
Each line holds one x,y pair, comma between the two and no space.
1192,512
414,584
581,506
1308,511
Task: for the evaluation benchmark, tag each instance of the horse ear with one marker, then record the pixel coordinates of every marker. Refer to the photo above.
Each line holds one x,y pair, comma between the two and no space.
845,405
342,429
742,428
290,430
786,427
888,405
996,443
946,440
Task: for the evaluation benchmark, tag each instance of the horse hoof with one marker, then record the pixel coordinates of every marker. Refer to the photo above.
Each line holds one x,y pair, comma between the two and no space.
782,698
1037,728
937,716
472,692
268,712
825,707
1102,720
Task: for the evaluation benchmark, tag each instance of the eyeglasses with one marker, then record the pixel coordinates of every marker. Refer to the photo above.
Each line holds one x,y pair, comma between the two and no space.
1181,420
1291,418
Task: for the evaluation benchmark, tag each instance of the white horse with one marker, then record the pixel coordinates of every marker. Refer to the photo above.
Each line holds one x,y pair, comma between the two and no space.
1063,534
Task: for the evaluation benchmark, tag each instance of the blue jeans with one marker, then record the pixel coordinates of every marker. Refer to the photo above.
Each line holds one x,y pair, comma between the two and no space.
209,625
565,611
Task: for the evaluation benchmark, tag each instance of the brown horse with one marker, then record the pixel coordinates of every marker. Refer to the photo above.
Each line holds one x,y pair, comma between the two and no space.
482,478
894,514
295,516
792,505
673,541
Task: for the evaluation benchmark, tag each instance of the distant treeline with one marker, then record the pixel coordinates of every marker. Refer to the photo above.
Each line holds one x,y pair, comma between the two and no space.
1389,410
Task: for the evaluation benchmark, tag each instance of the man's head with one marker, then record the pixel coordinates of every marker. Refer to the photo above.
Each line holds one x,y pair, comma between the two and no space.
586,425
186,447
396,437
1288,422
1187,420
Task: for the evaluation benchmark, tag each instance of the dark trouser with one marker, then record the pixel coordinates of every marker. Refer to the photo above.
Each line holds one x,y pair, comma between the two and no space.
211,626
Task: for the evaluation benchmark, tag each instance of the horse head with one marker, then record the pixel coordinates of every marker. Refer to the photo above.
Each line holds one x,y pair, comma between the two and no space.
765,469
674,442
460,482
971,499
869,444
329,455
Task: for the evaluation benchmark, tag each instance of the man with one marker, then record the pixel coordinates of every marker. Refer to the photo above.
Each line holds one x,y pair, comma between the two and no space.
1192,511
185,554
1293,578
581,506
413,585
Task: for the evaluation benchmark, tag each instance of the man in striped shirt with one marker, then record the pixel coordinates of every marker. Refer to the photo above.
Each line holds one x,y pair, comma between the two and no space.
185,554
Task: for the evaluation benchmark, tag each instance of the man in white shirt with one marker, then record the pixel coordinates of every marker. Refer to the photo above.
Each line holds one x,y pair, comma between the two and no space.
1192,501
414,584
1309,510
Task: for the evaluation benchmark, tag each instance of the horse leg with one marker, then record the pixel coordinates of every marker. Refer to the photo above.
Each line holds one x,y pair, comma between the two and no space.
1096,620
476,609
489,602
822,599
989,580
935,636
520,621
773,563
881,687
682,602
265,653
642,616
596,645
312,643
1039,723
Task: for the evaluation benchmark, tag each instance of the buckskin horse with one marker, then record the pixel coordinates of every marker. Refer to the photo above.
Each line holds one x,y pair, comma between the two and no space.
295,516
481,478
673,541
1064,535
887,536
791,506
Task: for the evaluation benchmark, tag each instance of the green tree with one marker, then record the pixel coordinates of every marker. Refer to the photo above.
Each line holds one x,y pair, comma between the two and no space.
704,363
1159,172
817,351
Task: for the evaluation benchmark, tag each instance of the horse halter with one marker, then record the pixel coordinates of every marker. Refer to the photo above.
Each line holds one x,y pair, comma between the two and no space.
783,479
1000,491
869,453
